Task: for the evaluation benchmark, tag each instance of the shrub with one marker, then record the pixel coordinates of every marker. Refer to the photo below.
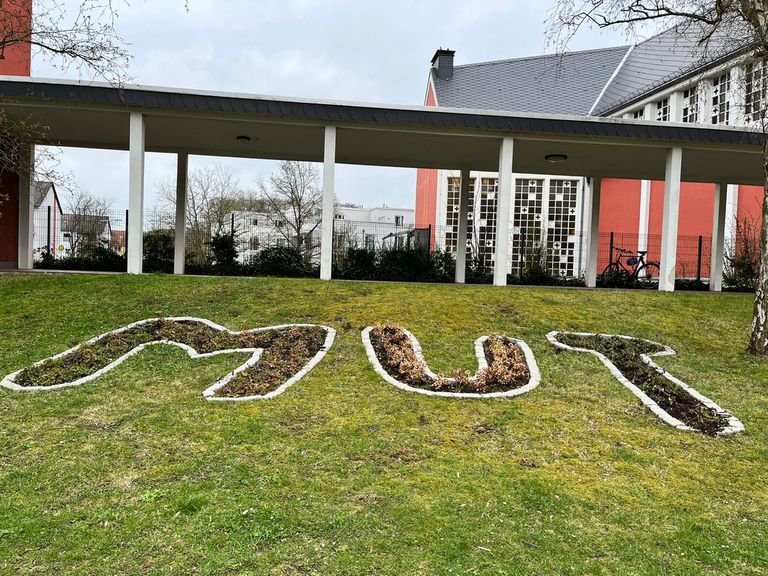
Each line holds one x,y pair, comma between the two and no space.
742,264
404,264
280,261
158,251
224,254
356,264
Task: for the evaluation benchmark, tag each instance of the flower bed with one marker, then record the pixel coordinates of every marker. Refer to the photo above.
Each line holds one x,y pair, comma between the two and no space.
506,366
672,400
278,354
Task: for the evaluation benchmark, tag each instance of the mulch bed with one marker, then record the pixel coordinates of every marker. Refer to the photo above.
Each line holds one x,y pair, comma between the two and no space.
286,350
507,368
625,355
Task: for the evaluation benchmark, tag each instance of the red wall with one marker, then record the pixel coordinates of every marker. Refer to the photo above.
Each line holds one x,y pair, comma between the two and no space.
750,204
9,220
426,183
16,20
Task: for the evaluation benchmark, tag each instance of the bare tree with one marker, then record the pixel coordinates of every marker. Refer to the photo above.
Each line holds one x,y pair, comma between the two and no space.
86,221
719,26
213,195
80,35
295,199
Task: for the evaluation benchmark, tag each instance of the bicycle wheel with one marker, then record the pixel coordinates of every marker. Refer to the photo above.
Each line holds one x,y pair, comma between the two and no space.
614,276
650,278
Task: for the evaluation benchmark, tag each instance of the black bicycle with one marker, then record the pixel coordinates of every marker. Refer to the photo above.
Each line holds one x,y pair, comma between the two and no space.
630,270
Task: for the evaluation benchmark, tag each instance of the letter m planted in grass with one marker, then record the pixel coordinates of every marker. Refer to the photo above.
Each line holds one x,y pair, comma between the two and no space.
671,399
280,356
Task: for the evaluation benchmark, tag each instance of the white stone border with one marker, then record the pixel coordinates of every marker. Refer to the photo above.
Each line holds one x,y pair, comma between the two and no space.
734,424
209,393
482,362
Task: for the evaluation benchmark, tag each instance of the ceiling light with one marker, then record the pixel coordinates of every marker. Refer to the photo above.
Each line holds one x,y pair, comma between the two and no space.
555,158
243,138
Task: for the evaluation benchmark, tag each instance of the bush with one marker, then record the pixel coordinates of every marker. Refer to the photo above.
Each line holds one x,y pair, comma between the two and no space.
280,261
92,258
742,265
356,264
158,251
224,254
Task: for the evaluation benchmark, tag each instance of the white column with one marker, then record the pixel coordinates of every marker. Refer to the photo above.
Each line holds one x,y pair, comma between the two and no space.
645,212
503,212
461,239
593,237
136,194
329,199
731,216
670,221
179,254
718,238
676,106
26,242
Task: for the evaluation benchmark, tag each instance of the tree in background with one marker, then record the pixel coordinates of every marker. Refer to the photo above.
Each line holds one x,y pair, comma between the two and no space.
86,221
294,198
213,195
720,26
78,35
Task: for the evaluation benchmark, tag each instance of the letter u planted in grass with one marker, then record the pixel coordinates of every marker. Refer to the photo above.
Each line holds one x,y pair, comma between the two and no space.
280,356
507,366
671,399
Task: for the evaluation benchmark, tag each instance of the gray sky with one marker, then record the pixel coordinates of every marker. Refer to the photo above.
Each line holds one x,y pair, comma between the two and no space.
336,49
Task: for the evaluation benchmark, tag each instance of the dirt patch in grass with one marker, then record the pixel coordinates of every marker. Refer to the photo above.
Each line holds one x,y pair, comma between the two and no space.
507,368
625,355
286,351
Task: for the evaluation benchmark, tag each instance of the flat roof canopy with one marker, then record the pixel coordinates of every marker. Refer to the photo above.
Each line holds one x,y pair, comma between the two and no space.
92,115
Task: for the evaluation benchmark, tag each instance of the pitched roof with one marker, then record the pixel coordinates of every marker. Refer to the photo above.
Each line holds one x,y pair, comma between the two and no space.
558,84
666,57
40,191
595,82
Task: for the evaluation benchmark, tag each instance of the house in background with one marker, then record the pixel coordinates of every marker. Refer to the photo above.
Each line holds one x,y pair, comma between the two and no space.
665,78
83,231
378,227
47,219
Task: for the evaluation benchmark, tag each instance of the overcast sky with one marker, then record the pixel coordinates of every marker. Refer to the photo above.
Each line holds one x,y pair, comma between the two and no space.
373,51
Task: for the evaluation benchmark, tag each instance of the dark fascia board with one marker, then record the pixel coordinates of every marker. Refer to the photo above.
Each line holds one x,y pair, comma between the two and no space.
152,99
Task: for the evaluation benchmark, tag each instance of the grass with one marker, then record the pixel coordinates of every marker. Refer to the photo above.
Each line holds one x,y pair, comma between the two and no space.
345,474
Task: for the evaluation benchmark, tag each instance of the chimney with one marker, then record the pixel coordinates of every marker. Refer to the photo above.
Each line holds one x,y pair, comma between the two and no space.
15,22
442,62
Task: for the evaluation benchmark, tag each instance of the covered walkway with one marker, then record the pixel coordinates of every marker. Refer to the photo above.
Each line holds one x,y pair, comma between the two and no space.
141,119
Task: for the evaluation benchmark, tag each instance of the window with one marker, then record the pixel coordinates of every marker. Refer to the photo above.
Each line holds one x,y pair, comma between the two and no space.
452,212
639,114
755,77
662,110
486,225
398,220
691,104
254,222
278,223
721,88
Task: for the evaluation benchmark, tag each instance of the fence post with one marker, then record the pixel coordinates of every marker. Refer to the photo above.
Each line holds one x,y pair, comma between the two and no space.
125,245
429,239
610,253
698,261
232,225
49,231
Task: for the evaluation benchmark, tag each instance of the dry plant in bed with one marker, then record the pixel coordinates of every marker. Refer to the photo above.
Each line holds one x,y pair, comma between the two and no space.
625,354
506,370
286,350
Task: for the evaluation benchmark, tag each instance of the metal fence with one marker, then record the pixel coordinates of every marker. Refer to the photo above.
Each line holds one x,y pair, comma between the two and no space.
66,234
69,234
693,252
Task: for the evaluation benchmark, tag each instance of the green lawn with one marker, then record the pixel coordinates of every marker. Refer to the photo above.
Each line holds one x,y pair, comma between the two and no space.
345,474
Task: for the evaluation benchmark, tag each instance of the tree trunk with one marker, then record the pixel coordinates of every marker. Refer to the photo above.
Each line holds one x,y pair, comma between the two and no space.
758,340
